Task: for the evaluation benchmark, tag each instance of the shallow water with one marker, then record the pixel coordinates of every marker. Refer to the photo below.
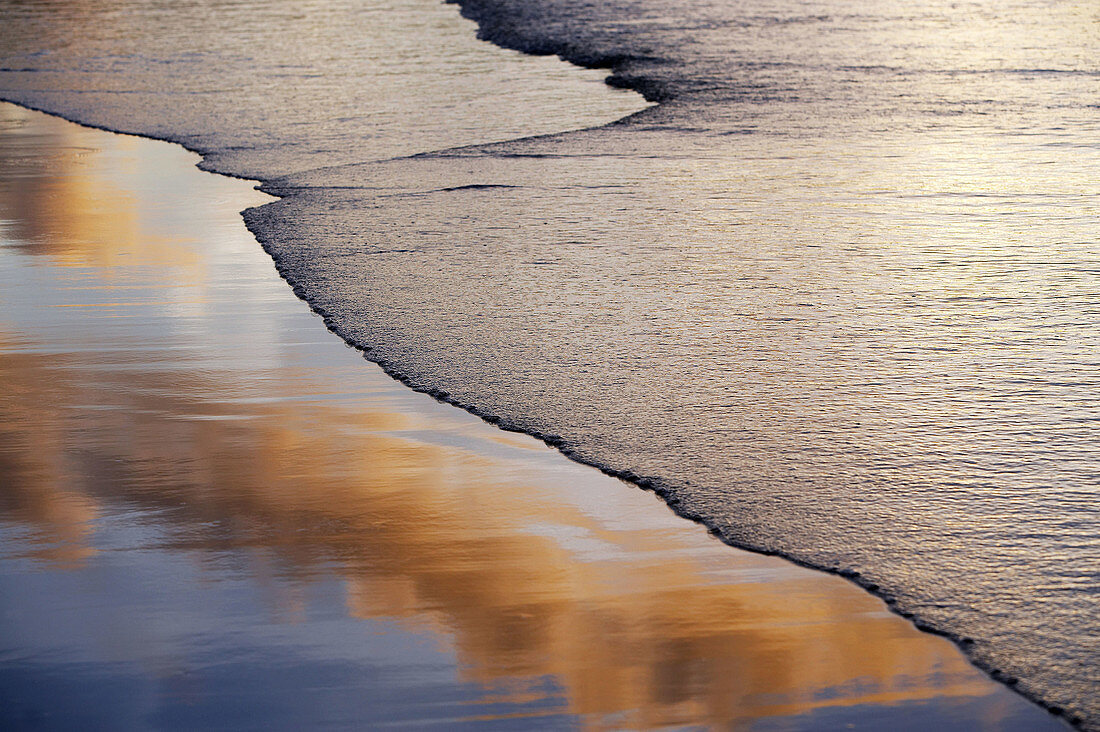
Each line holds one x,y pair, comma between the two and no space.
836,297
212,513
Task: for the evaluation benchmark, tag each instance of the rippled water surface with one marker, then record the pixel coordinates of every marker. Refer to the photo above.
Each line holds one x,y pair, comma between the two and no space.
212,514
836,296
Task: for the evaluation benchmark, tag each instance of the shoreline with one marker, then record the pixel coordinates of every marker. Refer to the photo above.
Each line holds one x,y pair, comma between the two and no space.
654,99
733,555
277,191
913,576
656,486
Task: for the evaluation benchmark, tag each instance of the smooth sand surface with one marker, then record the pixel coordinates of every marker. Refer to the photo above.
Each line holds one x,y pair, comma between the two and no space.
214,513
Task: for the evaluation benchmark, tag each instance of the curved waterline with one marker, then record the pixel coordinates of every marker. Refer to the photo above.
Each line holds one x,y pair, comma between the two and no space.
843,423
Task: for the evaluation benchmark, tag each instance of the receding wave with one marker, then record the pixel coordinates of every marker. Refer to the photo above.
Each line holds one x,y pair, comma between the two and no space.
784,298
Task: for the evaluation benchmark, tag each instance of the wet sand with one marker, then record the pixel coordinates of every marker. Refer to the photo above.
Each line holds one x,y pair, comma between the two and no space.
213,513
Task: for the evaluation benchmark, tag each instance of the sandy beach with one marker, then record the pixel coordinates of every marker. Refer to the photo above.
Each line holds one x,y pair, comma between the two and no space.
216,514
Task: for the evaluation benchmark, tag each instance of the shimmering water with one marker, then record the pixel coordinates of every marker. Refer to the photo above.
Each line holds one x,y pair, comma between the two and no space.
214,515
836,296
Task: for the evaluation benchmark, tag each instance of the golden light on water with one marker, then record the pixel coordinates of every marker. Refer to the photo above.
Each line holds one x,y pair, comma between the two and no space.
271,453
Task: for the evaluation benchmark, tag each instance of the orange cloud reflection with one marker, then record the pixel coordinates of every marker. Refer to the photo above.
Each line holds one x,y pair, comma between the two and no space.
520,561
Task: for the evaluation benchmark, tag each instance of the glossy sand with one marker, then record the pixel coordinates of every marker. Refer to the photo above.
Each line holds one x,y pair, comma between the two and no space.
215,513
836,295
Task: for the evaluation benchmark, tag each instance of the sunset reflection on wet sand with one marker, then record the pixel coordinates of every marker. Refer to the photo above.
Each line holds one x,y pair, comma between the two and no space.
212,510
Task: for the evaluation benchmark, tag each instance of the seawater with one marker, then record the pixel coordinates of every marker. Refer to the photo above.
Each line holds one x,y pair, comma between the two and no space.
835,295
